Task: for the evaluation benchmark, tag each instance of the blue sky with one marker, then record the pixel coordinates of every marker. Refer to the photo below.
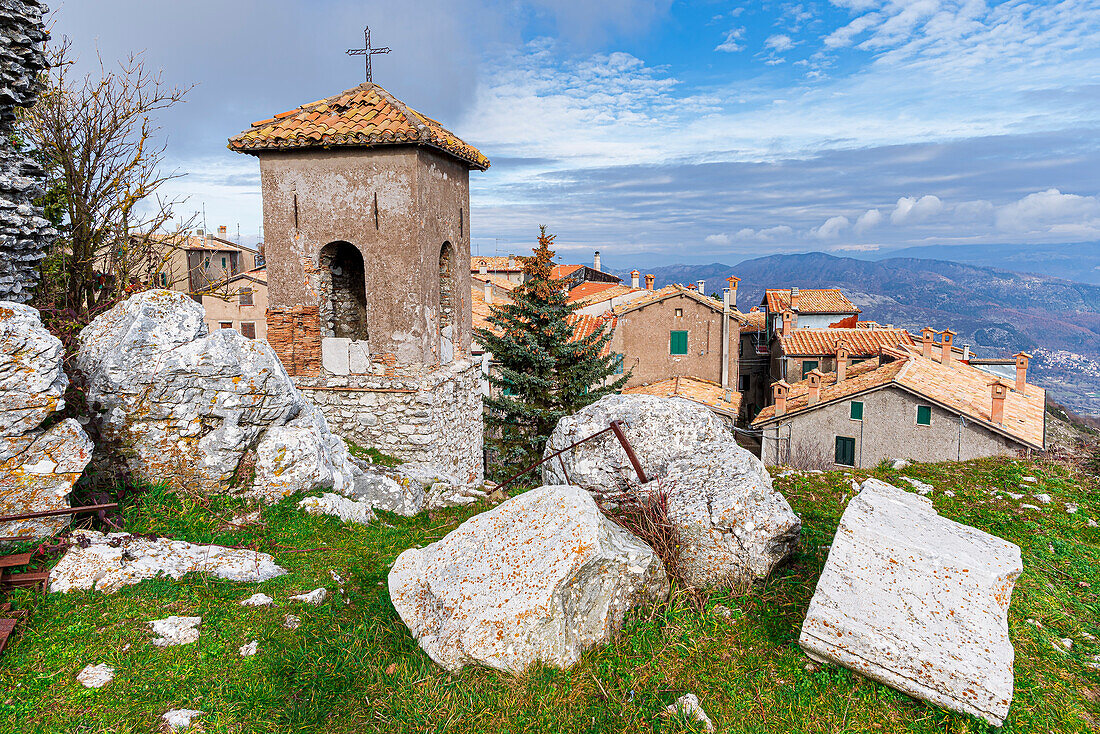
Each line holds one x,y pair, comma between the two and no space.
670,131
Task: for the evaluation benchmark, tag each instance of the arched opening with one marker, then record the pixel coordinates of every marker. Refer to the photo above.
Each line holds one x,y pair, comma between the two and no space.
343,305
447,305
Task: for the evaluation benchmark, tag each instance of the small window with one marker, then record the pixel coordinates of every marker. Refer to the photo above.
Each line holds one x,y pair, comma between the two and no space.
743,383
679,313
808,366
845,451
924,415
618,363
248,329
677,342
225,324
207,263
246,297
223,263
163,280
856,413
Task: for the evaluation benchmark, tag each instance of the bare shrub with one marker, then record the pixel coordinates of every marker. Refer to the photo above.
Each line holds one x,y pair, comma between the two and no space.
645,513
808,456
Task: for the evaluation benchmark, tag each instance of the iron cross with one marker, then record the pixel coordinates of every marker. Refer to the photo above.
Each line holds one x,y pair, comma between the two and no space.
366,52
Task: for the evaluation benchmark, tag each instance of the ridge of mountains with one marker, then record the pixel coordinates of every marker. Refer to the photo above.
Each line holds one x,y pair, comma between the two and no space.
997,311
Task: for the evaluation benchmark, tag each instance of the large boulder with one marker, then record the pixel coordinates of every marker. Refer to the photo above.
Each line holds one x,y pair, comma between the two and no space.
918,602
732,525
38,466
542,577
203,411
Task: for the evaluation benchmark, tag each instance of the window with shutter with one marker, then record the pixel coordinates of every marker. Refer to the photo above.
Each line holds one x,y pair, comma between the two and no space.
857,411
246,297
845,451
924,415
808,366
677,342
248,328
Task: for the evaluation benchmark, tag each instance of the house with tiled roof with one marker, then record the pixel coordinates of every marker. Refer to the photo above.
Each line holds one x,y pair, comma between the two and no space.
807,308
723,402
240,303
798,352
908,402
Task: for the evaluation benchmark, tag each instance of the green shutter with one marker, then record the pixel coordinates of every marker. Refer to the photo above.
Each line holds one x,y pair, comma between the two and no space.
808,366
857,410
845,451
924,415
677,342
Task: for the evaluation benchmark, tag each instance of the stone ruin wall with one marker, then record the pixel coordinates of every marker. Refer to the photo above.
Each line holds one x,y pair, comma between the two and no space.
24,235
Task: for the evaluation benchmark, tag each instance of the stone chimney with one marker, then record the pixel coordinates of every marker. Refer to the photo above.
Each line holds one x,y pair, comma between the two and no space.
702,284
732,281
788,323
779,396
511,261
649,281
946,355
997,410
927,339
488,286
482,268
841,361
634,275
596,261
794,298
814,380
966,353
1022,361
223,231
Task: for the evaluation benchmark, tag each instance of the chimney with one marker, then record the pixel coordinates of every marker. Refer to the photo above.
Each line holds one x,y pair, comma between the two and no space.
482,268
788,323
726,300
927,339
732,281
488,292
1022,361
222,231
814,381
966,353
779,396
794,298
596,261
702,286
649,281
946,354
634,275
997,409
841,361
511,261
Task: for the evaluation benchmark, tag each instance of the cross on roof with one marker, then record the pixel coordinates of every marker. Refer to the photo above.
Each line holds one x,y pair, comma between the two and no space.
366,52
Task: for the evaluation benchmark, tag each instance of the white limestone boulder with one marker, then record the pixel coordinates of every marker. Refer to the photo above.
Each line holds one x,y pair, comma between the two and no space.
107,562
32,379
180,405
732,524
541,577
917,602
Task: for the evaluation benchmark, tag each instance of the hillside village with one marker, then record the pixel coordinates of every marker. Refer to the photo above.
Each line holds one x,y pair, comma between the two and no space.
254,490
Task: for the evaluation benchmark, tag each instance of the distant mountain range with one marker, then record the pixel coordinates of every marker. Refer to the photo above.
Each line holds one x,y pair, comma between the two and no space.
1079,261
996,310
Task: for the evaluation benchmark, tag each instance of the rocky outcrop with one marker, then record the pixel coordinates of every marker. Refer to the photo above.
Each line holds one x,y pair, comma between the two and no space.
918,602
24,234
731,523
543,576
38,466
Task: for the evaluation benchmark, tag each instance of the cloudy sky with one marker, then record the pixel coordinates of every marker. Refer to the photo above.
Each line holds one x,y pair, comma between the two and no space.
667,131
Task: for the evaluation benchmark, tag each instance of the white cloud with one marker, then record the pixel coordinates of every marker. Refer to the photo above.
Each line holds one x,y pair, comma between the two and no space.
779,43
910,209
855,248
1051,211
717,239
831,229
867,220
730,44
974,211
768,234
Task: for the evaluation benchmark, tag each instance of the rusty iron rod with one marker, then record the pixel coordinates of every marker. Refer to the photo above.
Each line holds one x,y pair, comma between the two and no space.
545,459
54,513
617,429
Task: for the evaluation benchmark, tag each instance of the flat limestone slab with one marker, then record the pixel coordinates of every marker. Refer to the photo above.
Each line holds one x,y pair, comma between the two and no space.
918,602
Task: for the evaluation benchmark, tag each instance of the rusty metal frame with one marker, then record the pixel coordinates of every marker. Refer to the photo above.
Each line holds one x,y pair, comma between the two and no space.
55,513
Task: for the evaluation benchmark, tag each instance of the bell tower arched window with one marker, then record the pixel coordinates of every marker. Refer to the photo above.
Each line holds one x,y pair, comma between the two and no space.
447,305
343,292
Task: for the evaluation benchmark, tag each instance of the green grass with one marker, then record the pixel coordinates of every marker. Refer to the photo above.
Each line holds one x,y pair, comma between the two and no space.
356,668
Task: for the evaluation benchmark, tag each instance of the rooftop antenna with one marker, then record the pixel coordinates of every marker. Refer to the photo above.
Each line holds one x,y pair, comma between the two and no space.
366,52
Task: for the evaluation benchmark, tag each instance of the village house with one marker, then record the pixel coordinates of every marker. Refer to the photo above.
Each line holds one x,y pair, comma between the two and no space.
724,403
807,308
907,402
753,359
366,206
196,263
239,303
796,352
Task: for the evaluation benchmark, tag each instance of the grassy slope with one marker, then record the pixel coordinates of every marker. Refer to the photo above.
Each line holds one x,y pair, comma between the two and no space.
355,668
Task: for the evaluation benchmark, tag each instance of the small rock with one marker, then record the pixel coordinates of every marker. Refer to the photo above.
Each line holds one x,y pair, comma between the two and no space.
348,510
1026,506
249,650
855,486
1066,642
1091,523
1032,480
1013,495
1044,498
257,600
1088,637
315,597
723,611
96,676
1071,508
900,464
1035,623
948,493
922,488
291,622
178,719
175,630
688,706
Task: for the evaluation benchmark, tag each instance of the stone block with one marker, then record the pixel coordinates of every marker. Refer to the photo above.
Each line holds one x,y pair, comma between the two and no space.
358,357
335,355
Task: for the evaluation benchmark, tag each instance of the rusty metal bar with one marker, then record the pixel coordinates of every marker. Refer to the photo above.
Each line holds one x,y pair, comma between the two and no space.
55,513
545,459
617,429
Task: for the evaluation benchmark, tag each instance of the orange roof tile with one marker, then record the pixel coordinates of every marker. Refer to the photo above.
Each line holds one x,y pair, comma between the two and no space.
810,300
956,386
498,281
481,309
496,263
589,290
582,324
364,116
710,394
560,271
752,321
669,291
861,342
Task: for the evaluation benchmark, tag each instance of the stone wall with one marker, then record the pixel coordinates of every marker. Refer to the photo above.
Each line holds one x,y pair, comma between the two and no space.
433,417
24,234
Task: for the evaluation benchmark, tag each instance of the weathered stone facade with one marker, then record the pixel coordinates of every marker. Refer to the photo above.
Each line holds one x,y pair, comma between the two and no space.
24,234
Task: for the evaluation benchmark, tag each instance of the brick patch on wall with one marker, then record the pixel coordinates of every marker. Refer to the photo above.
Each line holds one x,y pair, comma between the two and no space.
294,332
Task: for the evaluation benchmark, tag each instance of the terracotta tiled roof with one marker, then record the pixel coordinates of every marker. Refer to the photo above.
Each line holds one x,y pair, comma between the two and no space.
364,116
481,309
706,392
583,325
496,263
810,300
498,281
957,386
752,321
669,291
590,291
861,342
197,242
560,271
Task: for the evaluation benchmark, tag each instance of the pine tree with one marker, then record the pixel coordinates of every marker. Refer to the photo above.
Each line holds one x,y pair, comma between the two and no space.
540,372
